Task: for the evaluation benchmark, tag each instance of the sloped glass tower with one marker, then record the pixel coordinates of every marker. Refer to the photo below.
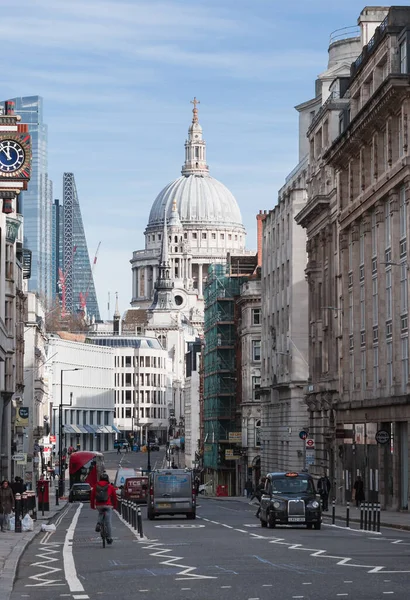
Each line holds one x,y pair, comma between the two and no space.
37,199
76,263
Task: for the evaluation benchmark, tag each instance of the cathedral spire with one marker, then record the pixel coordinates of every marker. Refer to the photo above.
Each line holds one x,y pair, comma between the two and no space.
163,296
195,147
117,317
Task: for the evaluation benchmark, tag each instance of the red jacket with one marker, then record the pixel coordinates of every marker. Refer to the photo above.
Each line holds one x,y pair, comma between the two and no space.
112,496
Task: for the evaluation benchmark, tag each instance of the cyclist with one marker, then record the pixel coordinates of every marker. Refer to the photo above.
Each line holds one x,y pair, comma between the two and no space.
104,499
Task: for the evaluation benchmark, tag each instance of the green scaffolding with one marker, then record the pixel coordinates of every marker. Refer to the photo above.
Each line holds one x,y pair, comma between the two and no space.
220,402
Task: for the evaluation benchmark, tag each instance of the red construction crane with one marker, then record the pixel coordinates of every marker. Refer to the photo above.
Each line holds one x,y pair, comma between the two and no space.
62,276
84,295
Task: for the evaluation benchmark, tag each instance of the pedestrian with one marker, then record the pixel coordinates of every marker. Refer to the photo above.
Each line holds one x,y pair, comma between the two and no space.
323,487
18,486
359,491
118,449
197,484
260,488
249,488
6,504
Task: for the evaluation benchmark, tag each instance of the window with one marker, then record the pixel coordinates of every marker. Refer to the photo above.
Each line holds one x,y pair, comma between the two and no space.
363,370
375,298
256,388
362,308
388,294
127,396
128,361
403,288
194,235
389,364
128,413
203,235
375,368
128,379
351,381
8,315
351,312
256,350
403,57
222,236
214,236
258,433
404,363
256,316
387,225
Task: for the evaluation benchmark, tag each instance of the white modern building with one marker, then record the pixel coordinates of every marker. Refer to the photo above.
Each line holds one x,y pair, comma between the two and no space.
81,379
192,404
142,383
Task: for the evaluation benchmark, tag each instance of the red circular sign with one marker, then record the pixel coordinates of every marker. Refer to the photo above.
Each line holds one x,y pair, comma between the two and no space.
310,443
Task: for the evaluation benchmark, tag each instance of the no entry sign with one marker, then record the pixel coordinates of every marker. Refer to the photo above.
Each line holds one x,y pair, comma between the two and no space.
310,443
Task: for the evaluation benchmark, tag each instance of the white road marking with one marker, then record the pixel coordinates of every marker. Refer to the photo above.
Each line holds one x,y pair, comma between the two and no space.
185,589
297,596
251,525
73,582
143,590
47,550
179,526
82,597
241,530
228,526
267,585
173,561
225,587
348,582
307,583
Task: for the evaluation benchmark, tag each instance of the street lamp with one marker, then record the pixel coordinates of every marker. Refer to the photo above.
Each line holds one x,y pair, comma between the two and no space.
61,476
147,425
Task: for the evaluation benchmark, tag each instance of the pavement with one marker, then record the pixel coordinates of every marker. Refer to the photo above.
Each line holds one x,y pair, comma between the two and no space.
12,546
388,518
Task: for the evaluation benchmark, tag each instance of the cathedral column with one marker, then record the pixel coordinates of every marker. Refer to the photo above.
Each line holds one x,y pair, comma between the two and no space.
199,280
146,292
154,275
137,281
134,283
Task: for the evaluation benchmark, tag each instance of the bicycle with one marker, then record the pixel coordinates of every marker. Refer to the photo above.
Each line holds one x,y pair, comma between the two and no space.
103,531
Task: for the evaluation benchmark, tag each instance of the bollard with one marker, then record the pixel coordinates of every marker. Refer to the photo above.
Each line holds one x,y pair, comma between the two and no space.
365,516
57,501
17,518
139,520
348,514
361,515
378,516
134,516
33,496
374,507
333,511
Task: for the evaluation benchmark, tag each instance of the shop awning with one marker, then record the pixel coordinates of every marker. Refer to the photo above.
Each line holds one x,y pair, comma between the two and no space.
82,428
68,429
89,428
116,429
76,429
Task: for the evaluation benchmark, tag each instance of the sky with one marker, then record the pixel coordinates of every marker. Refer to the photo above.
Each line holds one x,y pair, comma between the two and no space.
117,77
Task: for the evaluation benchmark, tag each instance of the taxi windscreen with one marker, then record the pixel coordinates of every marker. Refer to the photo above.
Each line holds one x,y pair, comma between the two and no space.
292,485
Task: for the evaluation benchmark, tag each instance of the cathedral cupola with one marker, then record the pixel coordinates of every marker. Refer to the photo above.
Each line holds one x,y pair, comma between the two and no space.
195,147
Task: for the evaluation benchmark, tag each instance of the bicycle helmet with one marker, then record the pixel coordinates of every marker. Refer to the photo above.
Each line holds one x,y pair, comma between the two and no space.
104,477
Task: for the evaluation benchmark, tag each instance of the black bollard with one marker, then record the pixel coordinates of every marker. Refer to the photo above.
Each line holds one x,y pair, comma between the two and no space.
348,514
139,519
378,516
57,501
374,508
361,515
333,511
17,518
134,516
24,504
365,516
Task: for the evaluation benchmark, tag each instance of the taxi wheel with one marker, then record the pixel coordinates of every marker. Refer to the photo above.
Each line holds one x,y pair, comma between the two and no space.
318,525
309,525
271,521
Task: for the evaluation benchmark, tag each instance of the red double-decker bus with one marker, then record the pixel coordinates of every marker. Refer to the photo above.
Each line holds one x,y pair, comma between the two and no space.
86,467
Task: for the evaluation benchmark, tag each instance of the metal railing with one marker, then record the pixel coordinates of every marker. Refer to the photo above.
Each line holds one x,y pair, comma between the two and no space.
344,33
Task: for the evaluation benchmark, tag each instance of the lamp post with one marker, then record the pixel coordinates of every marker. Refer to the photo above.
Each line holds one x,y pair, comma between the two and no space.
147,425
61,476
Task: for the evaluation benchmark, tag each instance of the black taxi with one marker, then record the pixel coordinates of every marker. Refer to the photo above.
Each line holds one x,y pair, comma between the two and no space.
290,499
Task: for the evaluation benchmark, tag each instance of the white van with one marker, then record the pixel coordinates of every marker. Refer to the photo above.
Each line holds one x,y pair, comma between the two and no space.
122,474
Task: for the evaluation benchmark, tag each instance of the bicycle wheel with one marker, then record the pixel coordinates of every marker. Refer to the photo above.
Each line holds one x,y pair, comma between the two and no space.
103,531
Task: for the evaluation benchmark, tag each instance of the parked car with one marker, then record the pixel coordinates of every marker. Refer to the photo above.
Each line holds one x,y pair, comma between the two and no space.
290,499
122,443
80,491
154,447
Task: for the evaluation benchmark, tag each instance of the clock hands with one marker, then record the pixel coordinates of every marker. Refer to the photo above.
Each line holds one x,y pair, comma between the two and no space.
6,150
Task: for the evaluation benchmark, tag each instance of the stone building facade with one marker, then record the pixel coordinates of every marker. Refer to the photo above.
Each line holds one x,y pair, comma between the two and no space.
364,303
284,367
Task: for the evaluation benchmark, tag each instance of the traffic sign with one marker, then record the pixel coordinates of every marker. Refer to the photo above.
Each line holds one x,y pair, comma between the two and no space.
19,457
310,443
310,457
382,436
303,435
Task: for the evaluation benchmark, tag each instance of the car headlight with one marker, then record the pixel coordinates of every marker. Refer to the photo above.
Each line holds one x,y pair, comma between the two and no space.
276,504
314,504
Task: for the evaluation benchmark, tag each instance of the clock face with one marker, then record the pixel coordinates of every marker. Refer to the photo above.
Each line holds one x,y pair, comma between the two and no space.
12,156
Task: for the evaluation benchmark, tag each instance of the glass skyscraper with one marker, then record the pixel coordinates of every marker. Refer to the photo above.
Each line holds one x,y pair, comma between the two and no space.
75,258
36,201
